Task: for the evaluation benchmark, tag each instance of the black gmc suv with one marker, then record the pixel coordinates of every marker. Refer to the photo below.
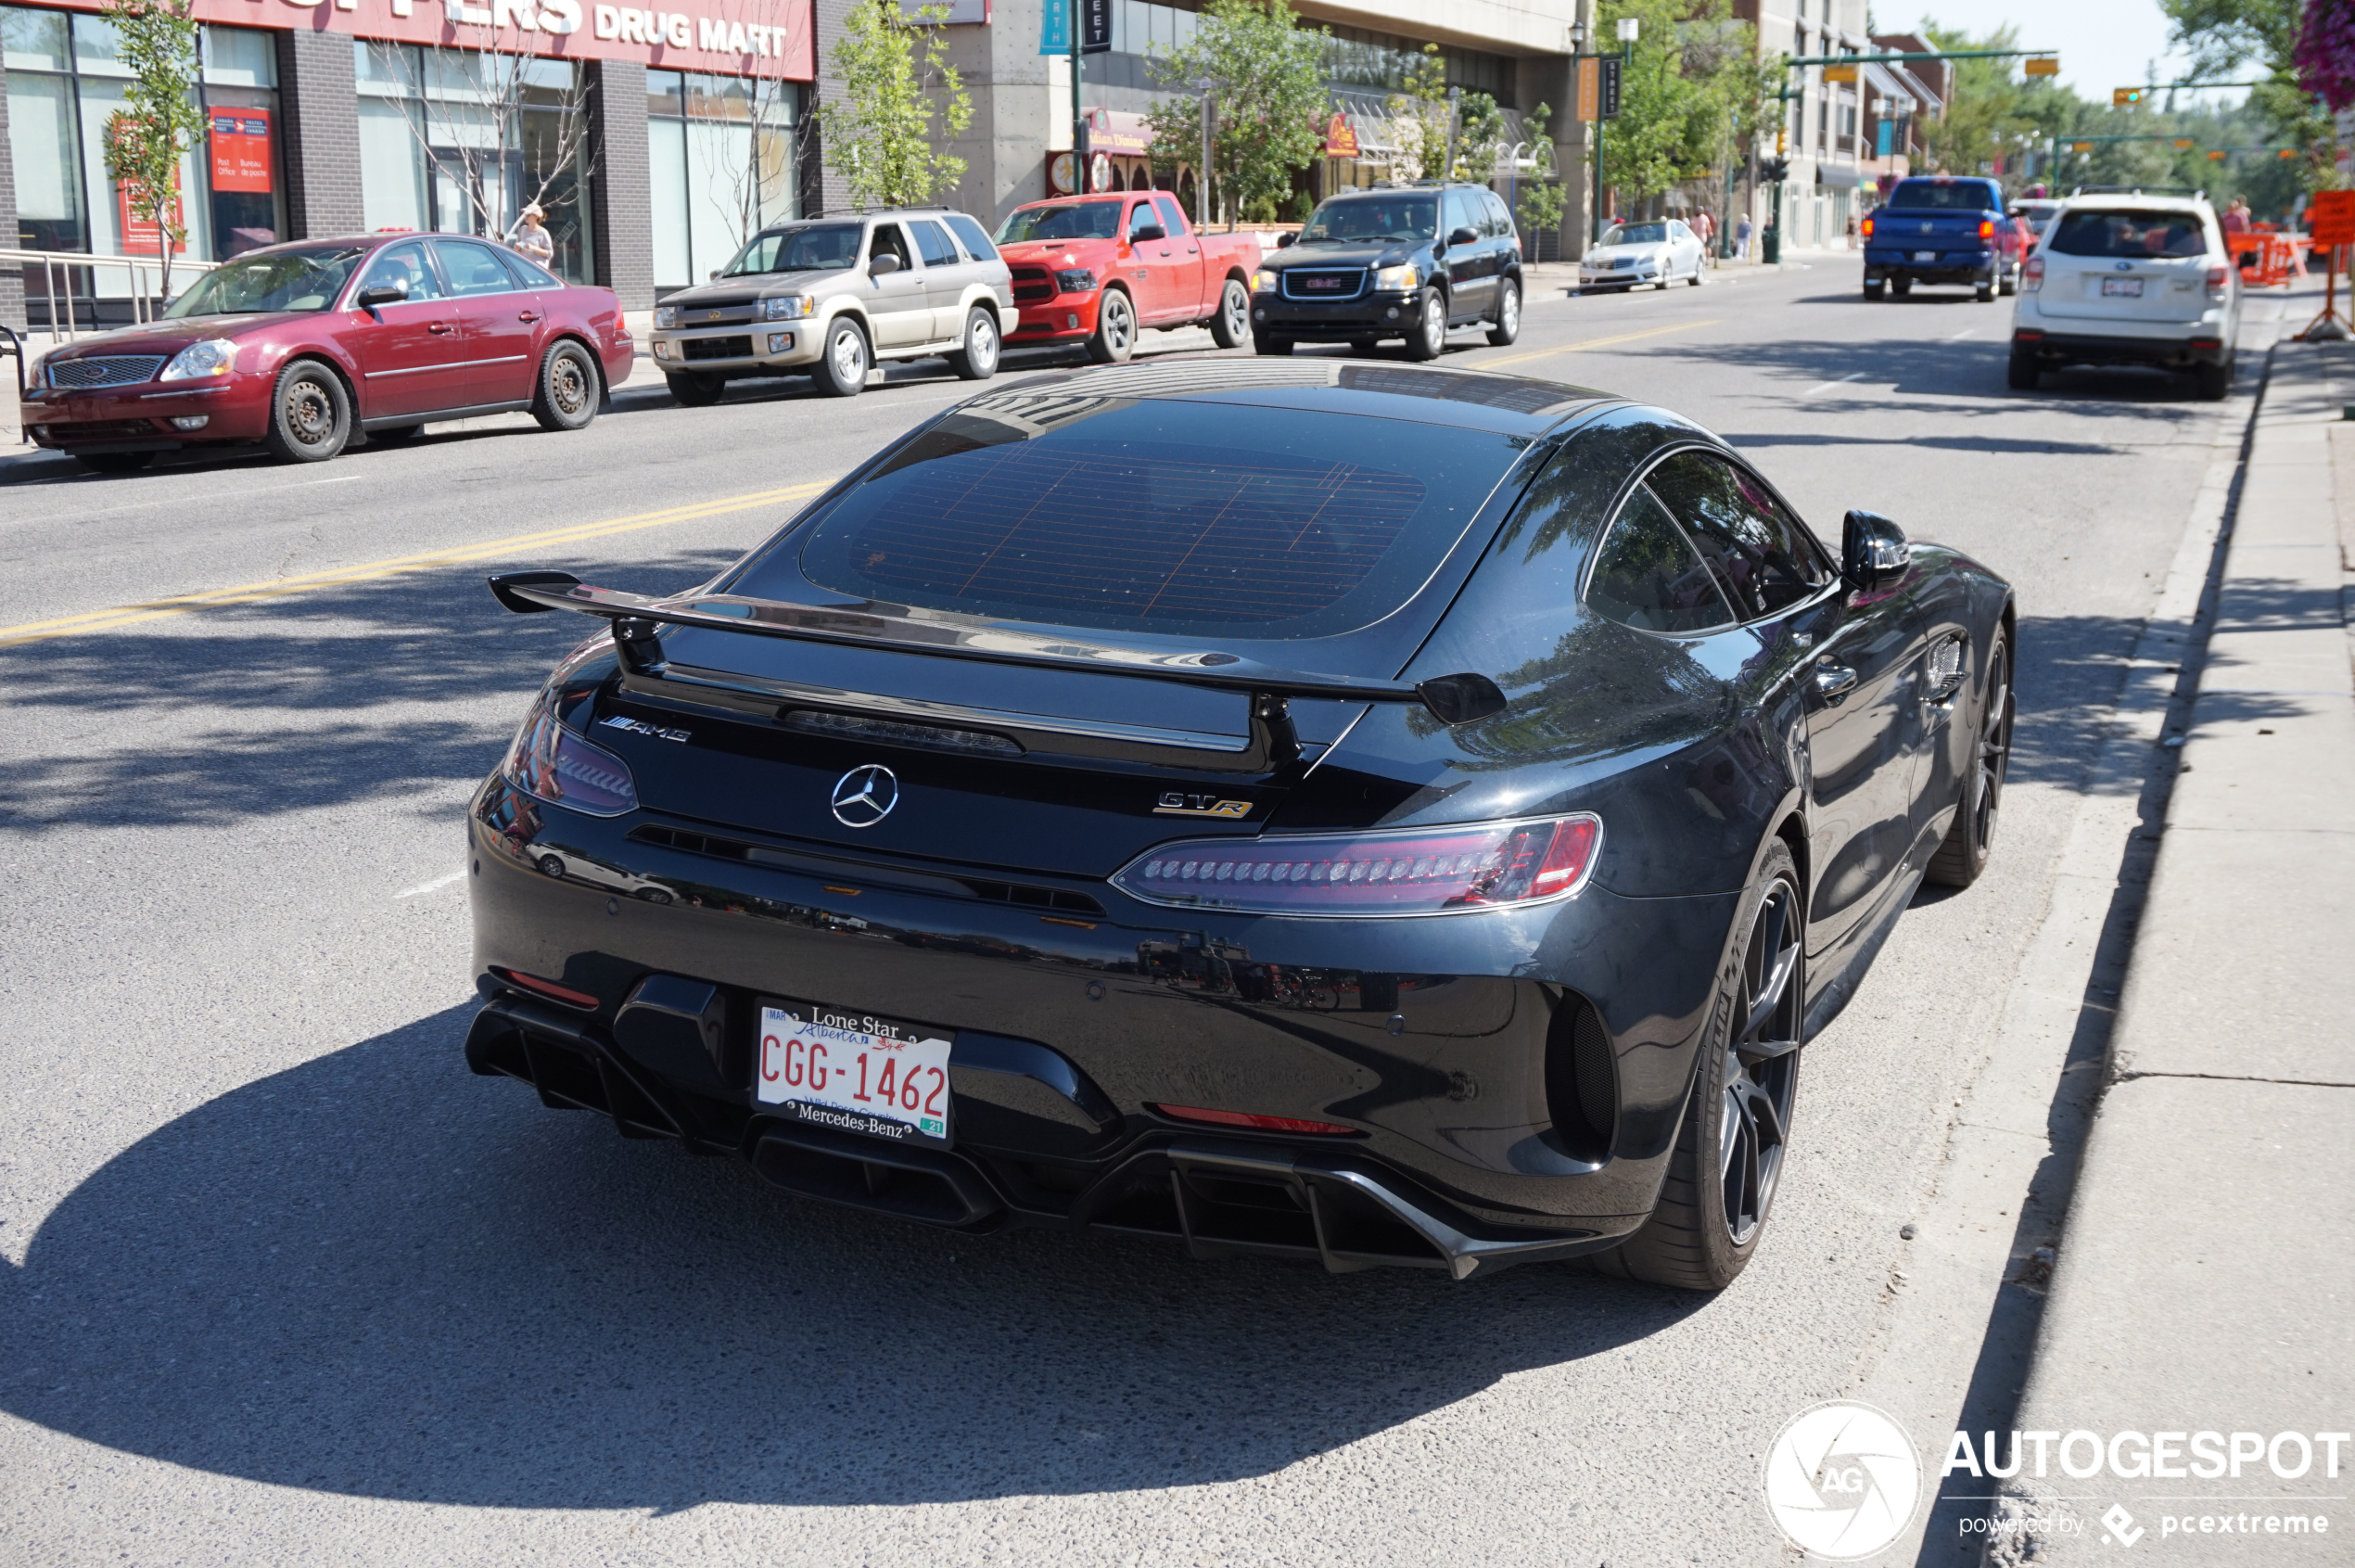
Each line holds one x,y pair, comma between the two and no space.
1395,261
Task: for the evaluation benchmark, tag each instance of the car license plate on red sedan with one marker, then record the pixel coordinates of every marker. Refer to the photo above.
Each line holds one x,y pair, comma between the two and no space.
853,1071
2126,287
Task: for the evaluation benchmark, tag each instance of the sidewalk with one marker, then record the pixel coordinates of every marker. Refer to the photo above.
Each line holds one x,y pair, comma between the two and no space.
2205,1279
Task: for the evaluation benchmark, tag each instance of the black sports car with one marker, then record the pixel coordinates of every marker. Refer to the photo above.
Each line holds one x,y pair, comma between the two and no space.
1371,814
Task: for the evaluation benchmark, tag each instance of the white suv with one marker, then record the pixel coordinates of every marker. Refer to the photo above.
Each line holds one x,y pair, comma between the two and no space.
2129,278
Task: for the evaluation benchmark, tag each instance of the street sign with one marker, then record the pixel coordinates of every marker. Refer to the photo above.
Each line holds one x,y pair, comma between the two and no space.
1095,27
1590,79
2330,217
1054,27
2080,147
2183,143
1839,73
1609,94
2048,65
1340,137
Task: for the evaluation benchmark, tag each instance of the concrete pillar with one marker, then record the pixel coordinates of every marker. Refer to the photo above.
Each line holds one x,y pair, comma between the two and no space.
832,190
11,279
319,132
620,204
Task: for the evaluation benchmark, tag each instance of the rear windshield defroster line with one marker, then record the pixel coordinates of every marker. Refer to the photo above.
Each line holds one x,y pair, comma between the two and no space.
1151,516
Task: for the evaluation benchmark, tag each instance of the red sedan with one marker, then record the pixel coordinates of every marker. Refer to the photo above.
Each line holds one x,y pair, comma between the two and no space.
299,346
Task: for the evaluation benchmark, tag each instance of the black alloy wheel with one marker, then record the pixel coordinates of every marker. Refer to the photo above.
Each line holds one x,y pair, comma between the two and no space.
1429,339
1728,1158
309,415
1963,856
977,360
1115,336
1231,325
114,462
695,389
840,371
568,391
1507,325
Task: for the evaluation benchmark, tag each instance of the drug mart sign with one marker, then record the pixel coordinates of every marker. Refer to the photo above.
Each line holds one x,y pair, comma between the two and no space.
731,37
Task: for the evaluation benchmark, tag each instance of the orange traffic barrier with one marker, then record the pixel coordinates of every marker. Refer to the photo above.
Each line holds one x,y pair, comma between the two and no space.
2244,248
2282,257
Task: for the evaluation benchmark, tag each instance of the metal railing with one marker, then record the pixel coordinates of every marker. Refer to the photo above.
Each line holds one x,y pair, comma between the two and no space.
140,269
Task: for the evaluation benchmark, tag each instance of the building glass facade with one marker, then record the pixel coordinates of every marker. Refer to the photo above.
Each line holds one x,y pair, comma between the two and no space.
721,160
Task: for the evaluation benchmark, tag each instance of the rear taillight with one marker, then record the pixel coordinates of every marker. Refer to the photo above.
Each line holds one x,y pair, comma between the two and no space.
564,994
1986,229
1256,1123
1398,871
549,762
1868,228
2218,277
2031,276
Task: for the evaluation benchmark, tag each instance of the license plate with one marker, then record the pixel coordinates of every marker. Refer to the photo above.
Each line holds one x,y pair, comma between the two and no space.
853,1071
1925,255
2126,287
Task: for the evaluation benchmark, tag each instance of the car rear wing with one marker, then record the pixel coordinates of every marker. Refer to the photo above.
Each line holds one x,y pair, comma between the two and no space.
1452,699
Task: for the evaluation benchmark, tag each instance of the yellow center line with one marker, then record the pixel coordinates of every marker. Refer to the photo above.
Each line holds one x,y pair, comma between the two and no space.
1592,343
246,593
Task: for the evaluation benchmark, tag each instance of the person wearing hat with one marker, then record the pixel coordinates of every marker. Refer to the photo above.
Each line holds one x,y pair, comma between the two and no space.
530,237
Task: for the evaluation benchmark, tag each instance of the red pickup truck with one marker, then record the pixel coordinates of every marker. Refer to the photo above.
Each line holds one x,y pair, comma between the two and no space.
1100,269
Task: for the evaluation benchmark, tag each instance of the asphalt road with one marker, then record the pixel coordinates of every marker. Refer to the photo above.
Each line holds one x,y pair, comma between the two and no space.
281,1282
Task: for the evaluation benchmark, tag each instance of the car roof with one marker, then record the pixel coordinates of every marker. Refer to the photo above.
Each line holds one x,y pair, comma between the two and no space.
1469,400
2141,201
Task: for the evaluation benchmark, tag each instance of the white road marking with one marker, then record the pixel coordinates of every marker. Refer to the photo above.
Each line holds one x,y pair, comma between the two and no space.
176,499
1963,334
436,885
1827,385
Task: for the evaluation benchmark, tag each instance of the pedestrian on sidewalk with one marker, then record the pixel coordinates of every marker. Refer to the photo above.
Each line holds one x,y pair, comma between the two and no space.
2237,217
1852,231
1706,227
530,237
1741,237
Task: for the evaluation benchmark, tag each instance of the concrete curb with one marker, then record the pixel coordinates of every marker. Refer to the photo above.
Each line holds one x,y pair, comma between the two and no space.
2203,1277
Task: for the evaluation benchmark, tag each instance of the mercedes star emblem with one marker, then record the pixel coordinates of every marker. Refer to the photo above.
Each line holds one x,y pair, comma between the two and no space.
865,795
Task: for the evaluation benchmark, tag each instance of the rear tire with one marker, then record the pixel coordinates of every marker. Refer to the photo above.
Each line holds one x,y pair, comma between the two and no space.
1115,335
1728,1158
1963,856
568,391
309,415
114,462
1507,325
1429,339
2213,382
1984,290
1872,288
841,370
977,361
695,389
2008,284
1231,325
2024,374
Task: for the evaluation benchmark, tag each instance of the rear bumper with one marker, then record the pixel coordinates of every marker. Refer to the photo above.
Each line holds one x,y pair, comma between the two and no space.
1946,266
2078,348
1069,1028
1374,313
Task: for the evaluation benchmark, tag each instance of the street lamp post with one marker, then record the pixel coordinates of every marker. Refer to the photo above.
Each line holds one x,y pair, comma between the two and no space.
1203,85
1628,29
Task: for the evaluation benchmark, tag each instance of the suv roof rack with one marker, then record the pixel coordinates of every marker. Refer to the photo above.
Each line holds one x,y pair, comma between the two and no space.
2140,190
871,212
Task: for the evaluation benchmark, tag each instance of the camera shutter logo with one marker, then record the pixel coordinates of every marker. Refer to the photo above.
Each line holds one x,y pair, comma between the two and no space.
865,795
1842,1479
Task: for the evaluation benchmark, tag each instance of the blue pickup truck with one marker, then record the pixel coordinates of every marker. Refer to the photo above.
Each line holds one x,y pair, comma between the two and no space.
1938,229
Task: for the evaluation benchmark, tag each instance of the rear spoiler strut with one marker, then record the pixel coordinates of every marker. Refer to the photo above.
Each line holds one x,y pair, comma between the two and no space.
1452,699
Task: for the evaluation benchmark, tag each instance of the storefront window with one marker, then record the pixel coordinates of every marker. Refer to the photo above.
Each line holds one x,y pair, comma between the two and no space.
460,141
65,80
721,163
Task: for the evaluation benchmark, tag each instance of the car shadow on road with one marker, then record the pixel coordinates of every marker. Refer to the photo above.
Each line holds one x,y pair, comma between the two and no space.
375,1274
1951,379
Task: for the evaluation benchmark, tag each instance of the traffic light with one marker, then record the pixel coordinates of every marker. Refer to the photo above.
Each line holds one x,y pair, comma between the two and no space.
2217,156
1782,138
2121,96
1777,170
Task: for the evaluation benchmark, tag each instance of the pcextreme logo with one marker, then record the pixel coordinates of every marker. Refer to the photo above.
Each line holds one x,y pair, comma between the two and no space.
1842,1479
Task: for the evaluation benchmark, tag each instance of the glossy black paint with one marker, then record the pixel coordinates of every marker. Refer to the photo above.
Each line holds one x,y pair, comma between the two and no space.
1467,272
1450,1046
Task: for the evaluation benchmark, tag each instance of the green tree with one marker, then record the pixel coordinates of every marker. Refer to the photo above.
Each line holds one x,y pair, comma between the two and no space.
2226,35
159,120
1426,120
896,83
1268,92
1691,66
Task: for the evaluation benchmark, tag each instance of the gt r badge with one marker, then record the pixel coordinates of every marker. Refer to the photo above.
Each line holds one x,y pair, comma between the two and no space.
639,727
1175,805
865,795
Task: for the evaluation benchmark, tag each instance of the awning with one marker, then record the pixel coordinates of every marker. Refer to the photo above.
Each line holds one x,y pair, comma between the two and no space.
1887,83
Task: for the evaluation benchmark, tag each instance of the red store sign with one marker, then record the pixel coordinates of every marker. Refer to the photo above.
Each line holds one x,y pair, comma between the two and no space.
729,37
239,139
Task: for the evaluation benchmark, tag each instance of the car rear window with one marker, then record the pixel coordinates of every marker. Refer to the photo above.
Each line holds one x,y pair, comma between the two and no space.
2125,233
1938,196
1131,515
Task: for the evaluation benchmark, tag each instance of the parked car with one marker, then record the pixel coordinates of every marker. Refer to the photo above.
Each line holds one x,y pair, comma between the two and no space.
1368,813
1405,262
834,296
2038,210
1099,270
300,346
2130,279
1936,229
1656,253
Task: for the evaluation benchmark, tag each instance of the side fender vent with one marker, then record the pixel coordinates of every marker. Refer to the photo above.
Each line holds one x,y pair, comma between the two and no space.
1582,1080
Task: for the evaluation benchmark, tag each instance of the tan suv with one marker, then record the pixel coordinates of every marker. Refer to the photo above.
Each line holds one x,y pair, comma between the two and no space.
834,296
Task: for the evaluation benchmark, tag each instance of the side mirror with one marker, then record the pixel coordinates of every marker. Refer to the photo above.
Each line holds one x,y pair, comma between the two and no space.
1146,232
1871,549
882,265
377,294
1285,241
1462,236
